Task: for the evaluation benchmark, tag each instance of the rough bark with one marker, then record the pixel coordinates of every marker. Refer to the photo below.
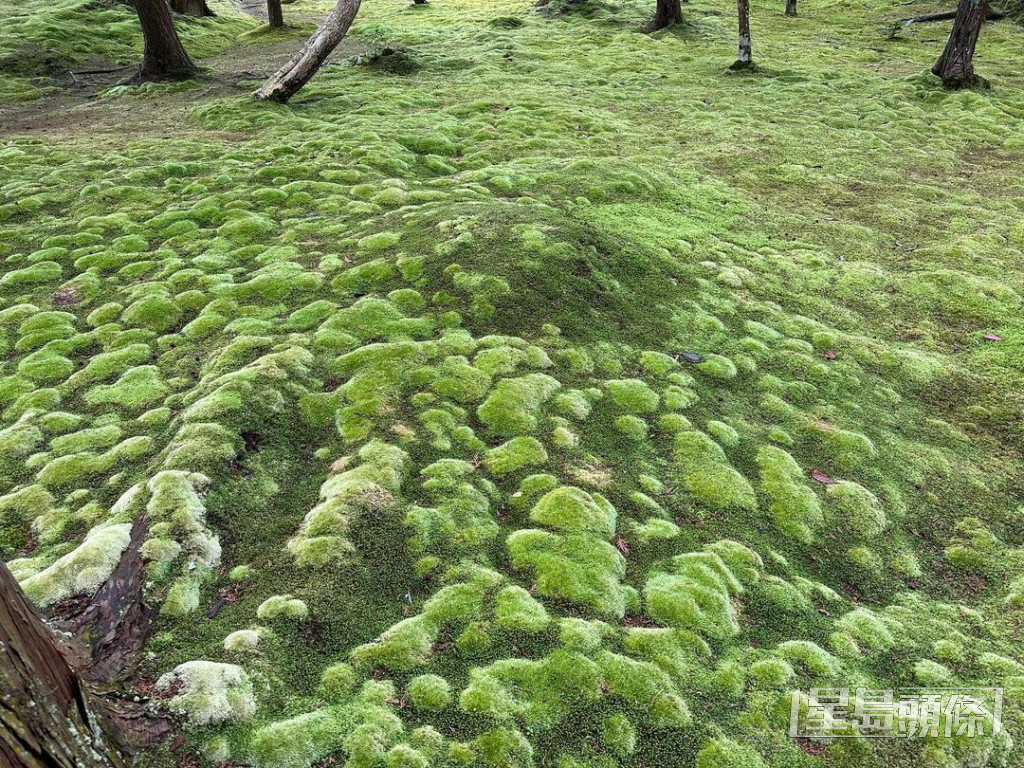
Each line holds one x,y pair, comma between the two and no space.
288,80
47,717
275,16
956,64
666,13
791,7
115,622
744,57
163,56
197,8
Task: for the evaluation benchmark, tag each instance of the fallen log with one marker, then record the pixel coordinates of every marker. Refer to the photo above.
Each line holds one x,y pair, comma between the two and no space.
993,15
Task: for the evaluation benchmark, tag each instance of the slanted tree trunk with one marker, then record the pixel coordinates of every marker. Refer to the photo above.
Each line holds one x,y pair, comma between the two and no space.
288,80
666,13
791,7
275,15
163,56
956,64
197,8
46,715
744,58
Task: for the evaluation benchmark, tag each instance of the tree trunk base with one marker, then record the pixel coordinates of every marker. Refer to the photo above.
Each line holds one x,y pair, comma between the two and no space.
742,66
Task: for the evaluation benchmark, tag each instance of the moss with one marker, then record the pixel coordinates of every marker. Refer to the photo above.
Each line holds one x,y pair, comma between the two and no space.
157,313
282,607
209,693
632,427
708,474
338,681
429,693
810,656
83,570
515,454
513,407
793,504
726,753
655,529
242,641
573,510
632,396
696,596
515,609
854,507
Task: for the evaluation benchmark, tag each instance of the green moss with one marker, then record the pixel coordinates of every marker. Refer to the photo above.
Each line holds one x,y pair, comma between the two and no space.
429,693
575,568
708,473
632,427
515,609
573,510
513,407
282,607
726,753
83,570
209,693
697,595
793,504
157,313
517,453
632,396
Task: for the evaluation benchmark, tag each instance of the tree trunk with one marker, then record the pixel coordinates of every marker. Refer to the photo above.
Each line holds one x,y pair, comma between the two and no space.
956,64
275,15
197,8
46,714
288,80
791,7
744,58
163,56
666,13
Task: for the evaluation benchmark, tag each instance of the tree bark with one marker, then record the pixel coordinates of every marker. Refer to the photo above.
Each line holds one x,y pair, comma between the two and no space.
288,80
163,56
46,715
744,57
956,64
197,8
275,15
666,13
791,7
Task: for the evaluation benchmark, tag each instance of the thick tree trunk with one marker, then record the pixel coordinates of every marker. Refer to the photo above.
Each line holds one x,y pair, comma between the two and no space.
46,715
197,8
666,13
275,16
744,58
288,80
956,64
163,56
791,7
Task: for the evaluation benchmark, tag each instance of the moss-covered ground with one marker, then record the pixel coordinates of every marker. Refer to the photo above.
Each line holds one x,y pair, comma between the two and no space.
543,394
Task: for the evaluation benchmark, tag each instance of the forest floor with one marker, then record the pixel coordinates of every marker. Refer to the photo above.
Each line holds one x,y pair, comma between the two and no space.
530,390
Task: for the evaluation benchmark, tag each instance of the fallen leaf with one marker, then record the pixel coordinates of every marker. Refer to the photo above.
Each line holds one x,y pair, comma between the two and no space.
623,546
830,355
992,337
691,357
821,477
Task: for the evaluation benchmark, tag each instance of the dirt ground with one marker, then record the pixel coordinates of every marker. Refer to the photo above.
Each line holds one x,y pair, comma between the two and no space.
74,105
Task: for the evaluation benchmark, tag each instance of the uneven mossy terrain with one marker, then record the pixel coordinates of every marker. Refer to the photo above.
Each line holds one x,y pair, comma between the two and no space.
397,376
